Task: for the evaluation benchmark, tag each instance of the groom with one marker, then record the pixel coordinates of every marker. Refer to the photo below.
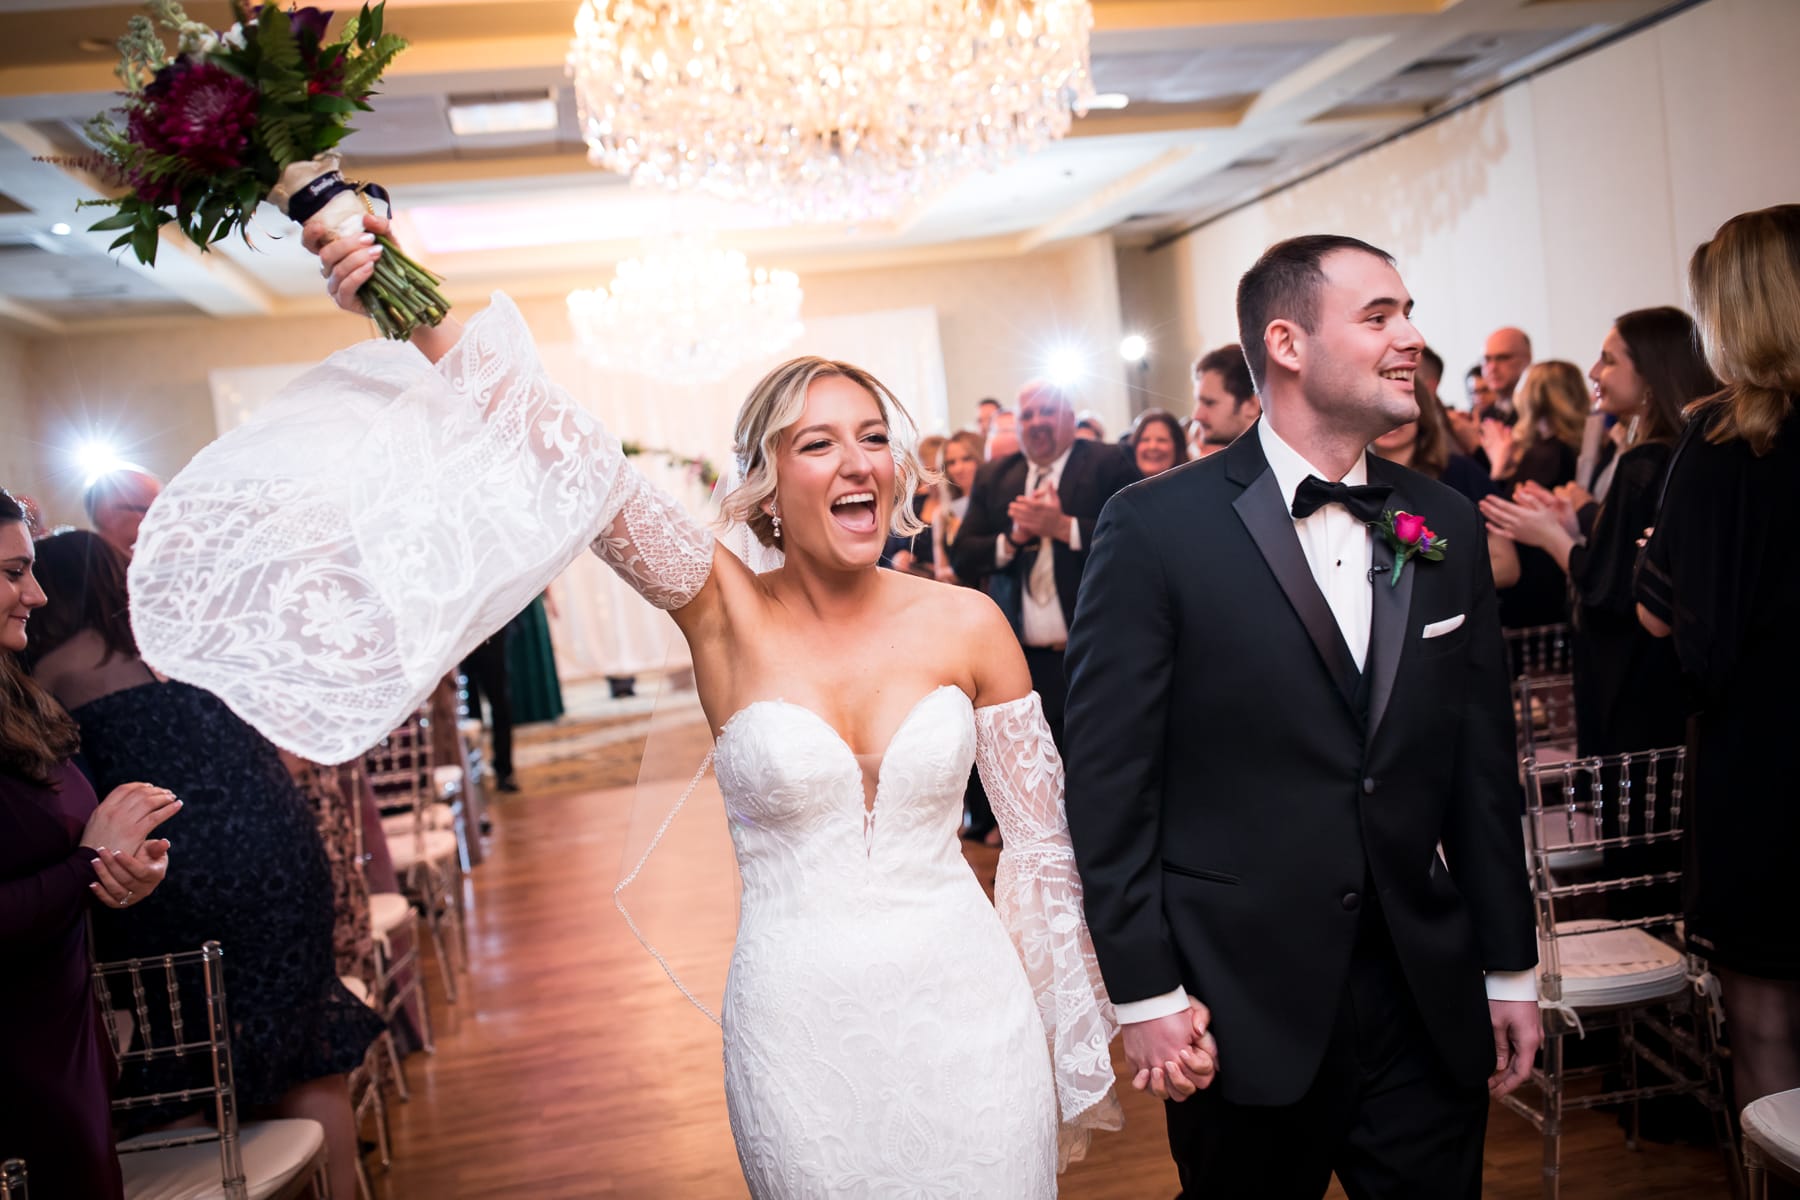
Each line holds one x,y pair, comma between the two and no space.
1291,777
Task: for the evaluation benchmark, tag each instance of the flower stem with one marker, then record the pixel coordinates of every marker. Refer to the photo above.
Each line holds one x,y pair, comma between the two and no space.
400,294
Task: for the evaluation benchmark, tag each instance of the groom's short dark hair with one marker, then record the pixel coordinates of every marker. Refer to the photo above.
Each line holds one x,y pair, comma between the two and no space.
1284,286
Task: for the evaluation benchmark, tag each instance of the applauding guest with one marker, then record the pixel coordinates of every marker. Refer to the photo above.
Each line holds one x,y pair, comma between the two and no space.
60,853
1627,695
1721,578
1030,523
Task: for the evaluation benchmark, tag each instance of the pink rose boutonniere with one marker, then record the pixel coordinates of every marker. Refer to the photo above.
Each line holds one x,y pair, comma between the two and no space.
1410,538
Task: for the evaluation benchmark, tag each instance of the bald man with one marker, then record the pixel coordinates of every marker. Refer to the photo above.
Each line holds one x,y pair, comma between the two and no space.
116,503
1503,363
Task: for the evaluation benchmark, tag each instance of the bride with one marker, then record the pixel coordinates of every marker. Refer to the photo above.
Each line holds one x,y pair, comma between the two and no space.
887,1032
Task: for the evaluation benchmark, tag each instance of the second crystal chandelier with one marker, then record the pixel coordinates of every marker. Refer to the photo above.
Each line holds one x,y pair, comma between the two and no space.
826,109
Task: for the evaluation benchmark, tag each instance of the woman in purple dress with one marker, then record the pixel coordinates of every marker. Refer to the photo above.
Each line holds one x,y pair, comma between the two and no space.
59,853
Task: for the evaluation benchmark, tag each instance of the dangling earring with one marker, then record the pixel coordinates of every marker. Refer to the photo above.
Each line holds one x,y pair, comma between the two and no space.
775,516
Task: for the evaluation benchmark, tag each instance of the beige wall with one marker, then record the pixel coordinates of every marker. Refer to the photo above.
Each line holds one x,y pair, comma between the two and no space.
146,388
18,432
1559,203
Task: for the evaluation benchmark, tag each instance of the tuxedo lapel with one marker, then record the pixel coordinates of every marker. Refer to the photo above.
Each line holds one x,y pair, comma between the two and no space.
1264,511
1392,603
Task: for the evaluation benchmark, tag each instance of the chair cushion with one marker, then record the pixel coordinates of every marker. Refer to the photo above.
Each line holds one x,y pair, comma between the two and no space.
1608,966
440,845
388,911
437,816
1773,1123
276,1153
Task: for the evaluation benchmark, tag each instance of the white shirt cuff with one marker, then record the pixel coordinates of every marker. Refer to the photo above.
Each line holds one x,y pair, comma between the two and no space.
1003,551
1156,1006
1074,534
1509,985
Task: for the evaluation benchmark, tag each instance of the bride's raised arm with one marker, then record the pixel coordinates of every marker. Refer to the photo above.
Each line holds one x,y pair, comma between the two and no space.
649,539
1037,893
321,567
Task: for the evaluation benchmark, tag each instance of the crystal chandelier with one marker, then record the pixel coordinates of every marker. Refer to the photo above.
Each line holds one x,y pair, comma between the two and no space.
686,312
826,109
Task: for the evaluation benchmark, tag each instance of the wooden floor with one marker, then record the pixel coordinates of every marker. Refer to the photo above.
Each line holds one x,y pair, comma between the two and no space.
572,1068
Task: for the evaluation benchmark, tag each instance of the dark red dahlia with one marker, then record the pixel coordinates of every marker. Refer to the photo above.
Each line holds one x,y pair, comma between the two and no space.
198,113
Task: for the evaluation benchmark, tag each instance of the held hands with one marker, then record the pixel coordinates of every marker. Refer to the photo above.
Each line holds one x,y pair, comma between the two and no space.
1517,1031
1173,1056
1039,515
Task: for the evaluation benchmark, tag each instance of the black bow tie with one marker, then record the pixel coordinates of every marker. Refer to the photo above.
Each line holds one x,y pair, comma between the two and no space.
1365,503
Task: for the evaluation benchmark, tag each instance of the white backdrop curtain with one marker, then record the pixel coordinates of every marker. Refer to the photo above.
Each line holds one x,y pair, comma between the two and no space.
601,627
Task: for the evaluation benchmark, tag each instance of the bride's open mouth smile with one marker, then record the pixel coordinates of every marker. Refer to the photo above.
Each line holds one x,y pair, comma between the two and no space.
855,511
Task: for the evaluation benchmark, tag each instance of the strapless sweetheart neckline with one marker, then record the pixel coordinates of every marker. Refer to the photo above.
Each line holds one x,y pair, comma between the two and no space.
870,808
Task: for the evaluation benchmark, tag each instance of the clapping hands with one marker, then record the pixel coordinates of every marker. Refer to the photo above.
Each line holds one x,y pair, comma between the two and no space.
128,863
1174,1056
1038,515
1533,517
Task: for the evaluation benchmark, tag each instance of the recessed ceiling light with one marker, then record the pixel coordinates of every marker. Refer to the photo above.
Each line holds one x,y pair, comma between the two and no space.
1106,100
61,229
515,112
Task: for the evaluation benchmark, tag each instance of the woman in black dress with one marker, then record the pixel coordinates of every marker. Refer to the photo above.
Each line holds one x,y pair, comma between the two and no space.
60,855
1627,684
1721,578
255,874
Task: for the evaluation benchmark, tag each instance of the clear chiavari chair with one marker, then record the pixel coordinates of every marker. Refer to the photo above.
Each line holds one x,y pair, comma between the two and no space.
1544,709
167,1016
1772,1141
1603,837
12,1180
428,860
1538,650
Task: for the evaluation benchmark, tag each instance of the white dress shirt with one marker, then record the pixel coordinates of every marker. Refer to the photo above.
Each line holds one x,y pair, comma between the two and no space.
1042,622
1338,549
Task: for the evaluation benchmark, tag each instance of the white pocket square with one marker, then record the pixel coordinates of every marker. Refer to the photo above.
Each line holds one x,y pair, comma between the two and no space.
1447,625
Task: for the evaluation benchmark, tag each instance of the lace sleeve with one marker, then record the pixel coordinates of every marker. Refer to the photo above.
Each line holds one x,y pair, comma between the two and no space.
1038,896
323,566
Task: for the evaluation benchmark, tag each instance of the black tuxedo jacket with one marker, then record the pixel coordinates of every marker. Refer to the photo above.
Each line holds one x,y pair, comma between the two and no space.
1235,786
1092,475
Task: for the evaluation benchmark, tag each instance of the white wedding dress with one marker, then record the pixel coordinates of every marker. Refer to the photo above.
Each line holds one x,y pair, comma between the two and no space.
888,1033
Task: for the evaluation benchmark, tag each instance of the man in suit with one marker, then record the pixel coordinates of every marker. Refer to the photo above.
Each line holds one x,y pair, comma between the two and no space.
1030,521
1274,724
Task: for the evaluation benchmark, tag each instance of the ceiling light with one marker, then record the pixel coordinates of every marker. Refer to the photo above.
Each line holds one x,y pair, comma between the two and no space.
61,229
529,112
1134,347
95,457
839,110
1108,100
1065,366
687,312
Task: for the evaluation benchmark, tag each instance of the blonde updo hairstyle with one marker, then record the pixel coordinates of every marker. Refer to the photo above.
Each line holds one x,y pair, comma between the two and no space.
775,405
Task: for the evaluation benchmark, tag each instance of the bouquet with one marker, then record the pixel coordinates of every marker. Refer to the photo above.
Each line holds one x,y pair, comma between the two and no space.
250,114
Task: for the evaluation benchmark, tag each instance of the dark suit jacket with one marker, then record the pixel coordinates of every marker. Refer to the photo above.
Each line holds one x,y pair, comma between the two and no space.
1092,475
1235,786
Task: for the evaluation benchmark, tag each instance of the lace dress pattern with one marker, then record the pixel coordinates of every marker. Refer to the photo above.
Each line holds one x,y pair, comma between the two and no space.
323,566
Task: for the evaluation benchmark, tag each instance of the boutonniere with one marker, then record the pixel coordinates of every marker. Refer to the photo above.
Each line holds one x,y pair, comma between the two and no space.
1409,537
